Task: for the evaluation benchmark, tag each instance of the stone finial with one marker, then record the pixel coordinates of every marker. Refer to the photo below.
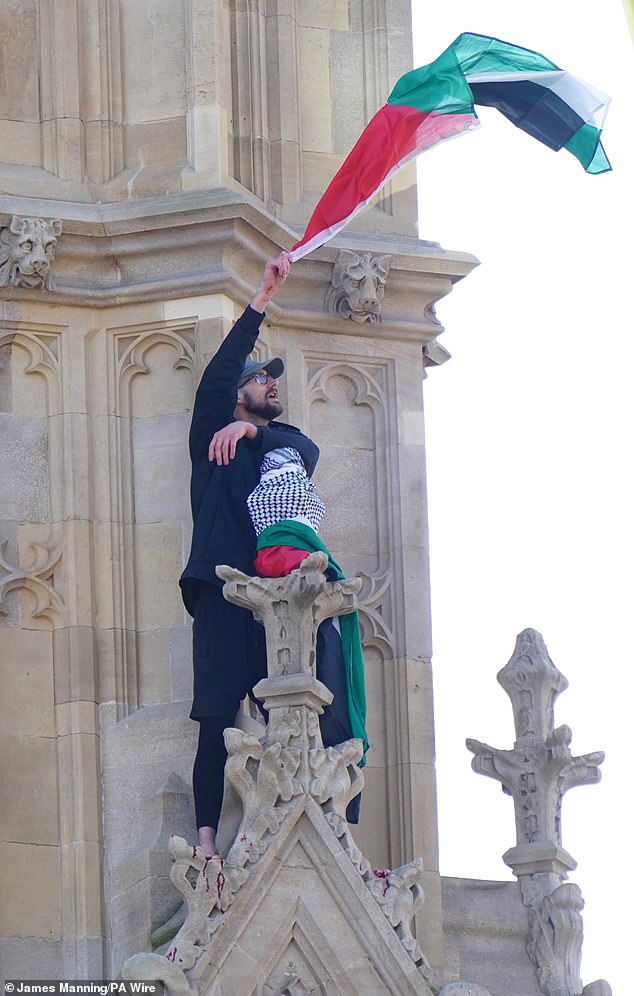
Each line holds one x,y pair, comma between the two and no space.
291,608
357,286
536,773
27,250
540,768
532,682
291,611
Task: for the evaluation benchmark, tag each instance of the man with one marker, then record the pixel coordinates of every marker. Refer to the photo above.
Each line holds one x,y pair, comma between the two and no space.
236,400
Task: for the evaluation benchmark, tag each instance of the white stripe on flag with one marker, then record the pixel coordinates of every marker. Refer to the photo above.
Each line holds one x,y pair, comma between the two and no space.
323,236
588,102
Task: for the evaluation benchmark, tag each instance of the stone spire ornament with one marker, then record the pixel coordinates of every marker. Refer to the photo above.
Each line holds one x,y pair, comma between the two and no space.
536,773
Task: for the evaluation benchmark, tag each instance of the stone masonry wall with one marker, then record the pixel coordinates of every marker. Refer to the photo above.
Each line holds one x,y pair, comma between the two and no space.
169,148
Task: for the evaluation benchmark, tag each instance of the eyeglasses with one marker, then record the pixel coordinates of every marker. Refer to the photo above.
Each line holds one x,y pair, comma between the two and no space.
261,378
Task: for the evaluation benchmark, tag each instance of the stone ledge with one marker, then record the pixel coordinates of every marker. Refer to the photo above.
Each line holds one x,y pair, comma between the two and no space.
207,242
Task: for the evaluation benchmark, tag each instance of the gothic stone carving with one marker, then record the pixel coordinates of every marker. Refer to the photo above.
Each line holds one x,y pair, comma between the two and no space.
41,575
291,614
398,892
27,249
540,768
276,780
357,286
40,578
262,777
536,773
554,944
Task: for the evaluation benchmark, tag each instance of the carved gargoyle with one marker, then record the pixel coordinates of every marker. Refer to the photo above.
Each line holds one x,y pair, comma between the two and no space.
357,286
27,249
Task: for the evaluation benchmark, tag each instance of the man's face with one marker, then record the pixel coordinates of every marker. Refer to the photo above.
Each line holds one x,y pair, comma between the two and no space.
261,399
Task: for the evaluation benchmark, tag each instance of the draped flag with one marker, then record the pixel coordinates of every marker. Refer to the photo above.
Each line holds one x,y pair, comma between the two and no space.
436,102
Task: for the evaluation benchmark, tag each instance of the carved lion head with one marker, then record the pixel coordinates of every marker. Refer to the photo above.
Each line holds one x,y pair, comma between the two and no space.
357,285
27,249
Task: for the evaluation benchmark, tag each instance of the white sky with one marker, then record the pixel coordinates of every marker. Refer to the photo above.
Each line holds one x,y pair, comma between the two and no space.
529,426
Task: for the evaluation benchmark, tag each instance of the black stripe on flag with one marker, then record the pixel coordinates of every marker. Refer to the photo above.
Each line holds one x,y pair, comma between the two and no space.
532,107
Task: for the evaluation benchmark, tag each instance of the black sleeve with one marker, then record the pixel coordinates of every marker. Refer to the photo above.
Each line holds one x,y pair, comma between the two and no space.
273,436
216,394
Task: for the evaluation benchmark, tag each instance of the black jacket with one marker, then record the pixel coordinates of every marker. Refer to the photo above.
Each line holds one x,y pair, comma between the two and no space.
223,532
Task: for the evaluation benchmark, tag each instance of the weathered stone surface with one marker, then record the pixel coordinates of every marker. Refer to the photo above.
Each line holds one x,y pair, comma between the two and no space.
180,650
463,989
155,84
26,678
153,666
74,656
30,957
598,988
23,468
6,393
160,494
29,810
31,893
158,563
481,918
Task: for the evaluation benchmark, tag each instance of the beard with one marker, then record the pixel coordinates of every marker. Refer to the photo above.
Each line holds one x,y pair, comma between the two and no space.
268,409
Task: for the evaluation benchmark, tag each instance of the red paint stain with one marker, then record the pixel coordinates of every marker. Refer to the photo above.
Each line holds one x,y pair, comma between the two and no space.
220,884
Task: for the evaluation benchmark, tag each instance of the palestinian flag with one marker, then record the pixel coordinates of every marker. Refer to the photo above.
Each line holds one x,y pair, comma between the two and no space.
436,102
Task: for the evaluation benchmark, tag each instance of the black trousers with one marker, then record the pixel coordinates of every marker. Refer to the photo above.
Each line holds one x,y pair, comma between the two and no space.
229,659
229,654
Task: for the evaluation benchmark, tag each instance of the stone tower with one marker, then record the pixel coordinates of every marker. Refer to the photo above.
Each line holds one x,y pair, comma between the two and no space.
152,155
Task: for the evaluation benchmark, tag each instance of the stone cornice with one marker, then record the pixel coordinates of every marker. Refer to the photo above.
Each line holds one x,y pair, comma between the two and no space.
206,242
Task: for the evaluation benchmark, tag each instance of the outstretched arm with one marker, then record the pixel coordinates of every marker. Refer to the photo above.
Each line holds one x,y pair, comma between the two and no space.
216,394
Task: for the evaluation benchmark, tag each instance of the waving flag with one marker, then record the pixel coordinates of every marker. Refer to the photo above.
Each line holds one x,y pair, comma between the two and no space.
436,102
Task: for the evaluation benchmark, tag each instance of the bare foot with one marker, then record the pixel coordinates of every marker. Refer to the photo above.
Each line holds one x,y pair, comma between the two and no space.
207,841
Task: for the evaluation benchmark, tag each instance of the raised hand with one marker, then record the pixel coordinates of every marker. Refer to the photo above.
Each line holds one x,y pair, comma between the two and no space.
275,273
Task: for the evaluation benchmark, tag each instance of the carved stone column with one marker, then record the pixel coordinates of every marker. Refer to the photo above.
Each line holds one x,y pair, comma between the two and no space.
536,773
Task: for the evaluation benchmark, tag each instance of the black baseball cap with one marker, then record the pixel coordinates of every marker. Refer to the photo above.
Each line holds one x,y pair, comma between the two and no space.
274,368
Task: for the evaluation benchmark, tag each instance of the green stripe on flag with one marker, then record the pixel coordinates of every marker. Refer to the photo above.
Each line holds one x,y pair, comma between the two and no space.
586,146
439,87
481,54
